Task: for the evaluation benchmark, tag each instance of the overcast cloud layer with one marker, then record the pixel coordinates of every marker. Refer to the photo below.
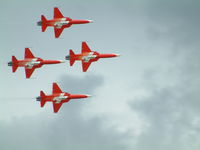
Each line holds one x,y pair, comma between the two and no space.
146,99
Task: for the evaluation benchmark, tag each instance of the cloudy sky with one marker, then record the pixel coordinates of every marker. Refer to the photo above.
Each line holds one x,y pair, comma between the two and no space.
146,99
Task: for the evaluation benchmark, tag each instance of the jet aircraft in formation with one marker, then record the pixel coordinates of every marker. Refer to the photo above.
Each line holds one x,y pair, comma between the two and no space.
30,63
58,97
59,22
87,56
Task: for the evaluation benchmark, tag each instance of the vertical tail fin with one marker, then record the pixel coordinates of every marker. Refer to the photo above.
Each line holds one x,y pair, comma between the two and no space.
42,96
15,63
44,23
72,60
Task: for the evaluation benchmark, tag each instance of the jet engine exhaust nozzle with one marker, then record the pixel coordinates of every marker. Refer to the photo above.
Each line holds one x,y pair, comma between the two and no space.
67,57
38,98
39,23
10,63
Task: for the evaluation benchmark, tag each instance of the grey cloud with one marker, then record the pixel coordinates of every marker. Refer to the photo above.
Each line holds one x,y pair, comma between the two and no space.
65,130
139,29
85,84
171,112
74,133
171,120
173,21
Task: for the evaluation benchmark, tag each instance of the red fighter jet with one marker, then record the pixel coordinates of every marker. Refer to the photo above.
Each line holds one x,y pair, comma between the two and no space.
30,62
58,97
59,22
87,56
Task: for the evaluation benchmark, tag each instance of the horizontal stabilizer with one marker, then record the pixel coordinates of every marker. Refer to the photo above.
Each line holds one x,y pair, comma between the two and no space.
44,23
71,54
42,96
14,63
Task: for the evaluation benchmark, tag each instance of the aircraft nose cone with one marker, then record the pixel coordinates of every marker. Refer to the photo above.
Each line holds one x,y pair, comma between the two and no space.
90,21
89,95
62,61
117,55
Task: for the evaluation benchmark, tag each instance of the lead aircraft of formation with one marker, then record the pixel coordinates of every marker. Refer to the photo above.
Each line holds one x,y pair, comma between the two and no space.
87,56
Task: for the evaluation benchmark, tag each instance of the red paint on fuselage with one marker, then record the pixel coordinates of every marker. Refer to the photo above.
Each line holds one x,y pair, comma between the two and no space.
59,22
30,63
24,62
58,97
51,23
80,57
87,56
69,97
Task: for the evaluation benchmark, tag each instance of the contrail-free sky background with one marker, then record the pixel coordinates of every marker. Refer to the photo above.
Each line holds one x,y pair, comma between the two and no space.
146,99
